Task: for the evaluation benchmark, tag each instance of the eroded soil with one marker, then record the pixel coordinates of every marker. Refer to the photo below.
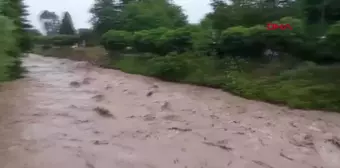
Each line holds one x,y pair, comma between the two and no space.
68,114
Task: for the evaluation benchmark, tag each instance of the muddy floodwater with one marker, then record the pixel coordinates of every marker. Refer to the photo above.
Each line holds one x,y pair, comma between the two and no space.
67,114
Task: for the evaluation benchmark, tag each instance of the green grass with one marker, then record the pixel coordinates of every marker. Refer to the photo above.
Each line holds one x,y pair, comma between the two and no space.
133,65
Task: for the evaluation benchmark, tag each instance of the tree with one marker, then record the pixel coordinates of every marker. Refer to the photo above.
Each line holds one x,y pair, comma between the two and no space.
26,42
66,26
141,15
105,16
15,11
7,42
133,15
332,8
319,14
87,36
251,12
50,22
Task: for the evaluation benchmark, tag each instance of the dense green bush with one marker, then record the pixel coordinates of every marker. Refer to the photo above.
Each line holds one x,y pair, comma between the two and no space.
287,41
178,40
235,41
204,42
161,41
149,40
239,41
254,41
115,40
323,50
7,42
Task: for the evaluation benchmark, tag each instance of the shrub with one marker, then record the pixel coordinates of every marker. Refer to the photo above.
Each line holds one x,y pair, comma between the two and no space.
284,41
324,50
115,40
277,41
235,41
254,41
296,24
149,40
204,41
163,41
178,40
170,67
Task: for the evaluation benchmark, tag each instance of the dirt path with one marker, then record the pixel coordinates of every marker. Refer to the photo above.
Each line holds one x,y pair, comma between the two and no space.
67,114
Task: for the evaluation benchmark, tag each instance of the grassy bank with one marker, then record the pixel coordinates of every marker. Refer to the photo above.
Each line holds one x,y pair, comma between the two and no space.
303,85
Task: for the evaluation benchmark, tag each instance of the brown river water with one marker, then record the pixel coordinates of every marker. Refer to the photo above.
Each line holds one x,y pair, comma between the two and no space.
68,114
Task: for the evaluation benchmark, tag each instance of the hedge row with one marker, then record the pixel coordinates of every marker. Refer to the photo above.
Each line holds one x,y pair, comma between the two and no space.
236,41
160,41
59,40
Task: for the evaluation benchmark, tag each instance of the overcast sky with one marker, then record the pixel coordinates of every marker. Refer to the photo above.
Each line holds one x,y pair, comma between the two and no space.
195,9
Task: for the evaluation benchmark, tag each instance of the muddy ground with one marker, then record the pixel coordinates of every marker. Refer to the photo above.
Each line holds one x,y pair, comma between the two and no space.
68,114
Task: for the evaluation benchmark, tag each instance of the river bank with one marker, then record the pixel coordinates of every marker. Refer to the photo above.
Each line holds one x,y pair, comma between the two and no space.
299,85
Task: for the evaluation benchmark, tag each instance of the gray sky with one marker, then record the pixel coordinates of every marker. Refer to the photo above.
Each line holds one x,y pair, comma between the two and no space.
195,9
